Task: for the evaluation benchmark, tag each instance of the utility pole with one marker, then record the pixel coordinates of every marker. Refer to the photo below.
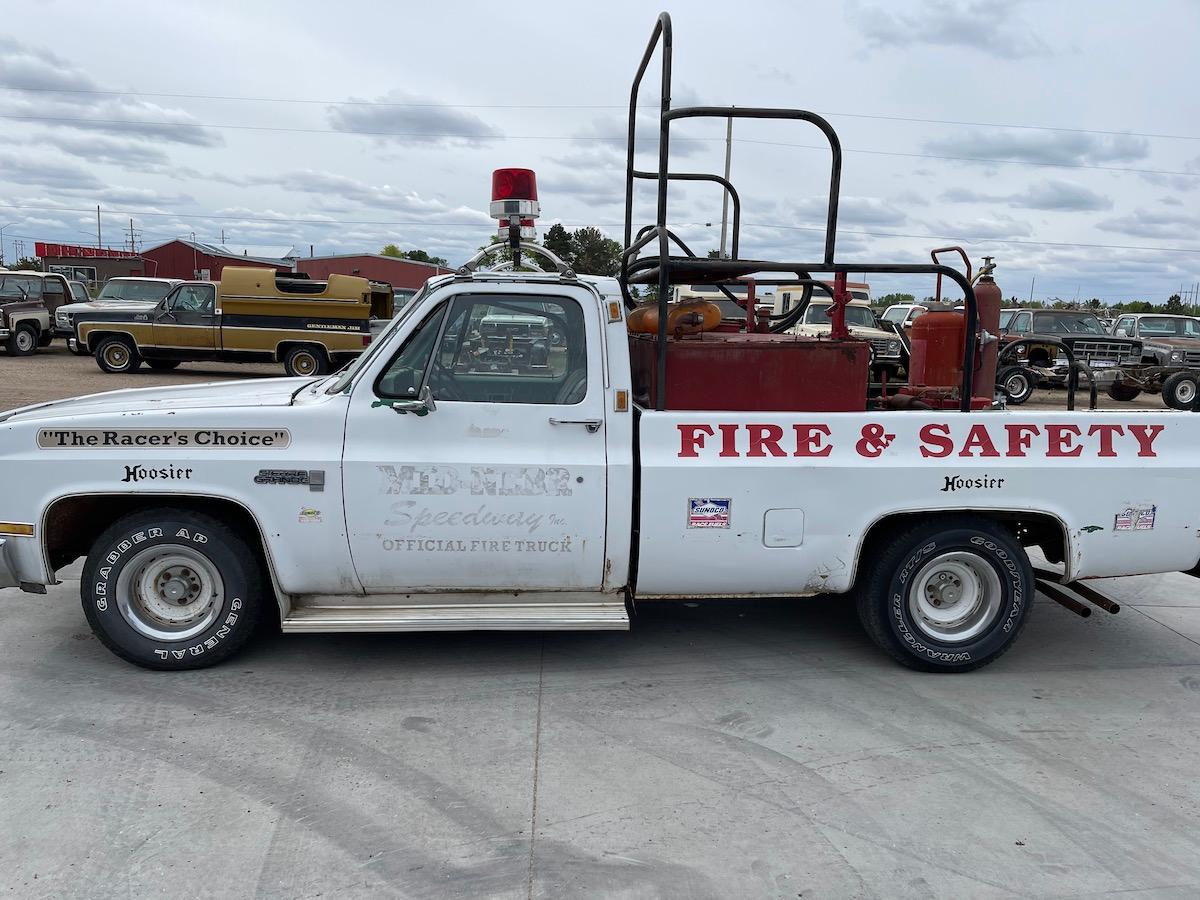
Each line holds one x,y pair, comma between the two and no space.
98,244
222,237
724,191
1031,283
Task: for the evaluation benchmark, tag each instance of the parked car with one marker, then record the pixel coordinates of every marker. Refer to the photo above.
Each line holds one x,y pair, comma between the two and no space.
904,314
28,301
1170,351
886,346
1108,356
251,315
126,293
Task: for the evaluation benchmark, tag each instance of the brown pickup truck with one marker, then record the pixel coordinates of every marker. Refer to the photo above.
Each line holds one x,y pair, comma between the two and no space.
27,303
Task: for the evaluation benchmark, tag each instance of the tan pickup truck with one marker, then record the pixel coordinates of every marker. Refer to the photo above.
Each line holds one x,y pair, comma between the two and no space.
251,315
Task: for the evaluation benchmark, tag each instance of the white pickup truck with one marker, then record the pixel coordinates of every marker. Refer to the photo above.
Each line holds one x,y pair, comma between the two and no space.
429,487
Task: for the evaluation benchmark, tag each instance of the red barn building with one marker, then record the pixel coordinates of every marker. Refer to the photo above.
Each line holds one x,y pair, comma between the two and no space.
404,275
194,260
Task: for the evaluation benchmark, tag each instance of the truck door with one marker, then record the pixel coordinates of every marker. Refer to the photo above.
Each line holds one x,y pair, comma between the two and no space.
501,487
187,325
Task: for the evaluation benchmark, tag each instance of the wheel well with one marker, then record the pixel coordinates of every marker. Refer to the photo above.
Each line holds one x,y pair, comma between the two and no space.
1039,354
72,524
95,337
1029,529
285,347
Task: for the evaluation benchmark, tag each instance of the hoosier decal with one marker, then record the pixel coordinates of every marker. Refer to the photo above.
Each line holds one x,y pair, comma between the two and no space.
125,438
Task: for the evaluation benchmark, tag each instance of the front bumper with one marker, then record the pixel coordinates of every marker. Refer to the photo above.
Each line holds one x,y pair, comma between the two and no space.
73,343
63,331
4,333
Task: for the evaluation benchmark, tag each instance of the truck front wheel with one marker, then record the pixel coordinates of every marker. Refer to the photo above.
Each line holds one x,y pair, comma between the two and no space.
947,596
117,355
23,341
171,589
1179,390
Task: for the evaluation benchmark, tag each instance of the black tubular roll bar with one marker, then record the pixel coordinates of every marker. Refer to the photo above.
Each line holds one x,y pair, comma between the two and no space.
663,269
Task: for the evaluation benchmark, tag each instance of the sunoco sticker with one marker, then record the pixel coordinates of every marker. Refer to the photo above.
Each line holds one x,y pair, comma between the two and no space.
125,438
708,512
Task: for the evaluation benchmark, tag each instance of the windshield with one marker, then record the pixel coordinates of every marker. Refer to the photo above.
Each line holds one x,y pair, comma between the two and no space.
19,287
1066,323
345,376
861,316
134,290
1164,326
894,314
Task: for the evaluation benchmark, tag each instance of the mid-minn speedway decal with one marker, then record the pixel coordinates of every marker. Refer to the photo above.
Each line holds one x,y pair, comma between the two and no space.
171,438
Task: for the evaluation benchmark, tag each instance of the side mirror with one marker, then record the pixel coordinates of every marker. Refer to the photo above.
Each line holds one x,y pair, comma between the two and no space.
422,405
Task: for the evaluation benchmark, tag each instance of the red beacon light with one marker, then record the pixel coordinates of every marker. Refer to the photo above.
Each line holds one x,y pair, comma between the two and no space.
515,201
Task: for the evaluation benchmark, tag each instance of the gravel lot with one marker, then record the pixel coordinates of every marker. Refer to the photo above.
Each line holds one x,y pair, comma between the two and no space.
721,749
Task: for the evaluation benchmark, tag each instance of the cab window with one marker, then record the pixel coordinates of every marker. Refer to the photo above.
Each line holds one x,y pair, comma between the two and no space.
1124,328
193,298
1021,323
495,349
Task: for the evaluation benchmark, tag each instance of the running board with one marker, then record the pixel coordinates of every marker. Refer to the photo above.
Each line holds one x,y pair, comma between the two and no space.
1065,594
607,616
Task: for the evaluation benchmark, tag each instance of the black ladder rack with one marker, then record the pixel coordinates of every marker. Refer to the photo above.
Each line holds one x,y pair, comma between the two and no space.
664,269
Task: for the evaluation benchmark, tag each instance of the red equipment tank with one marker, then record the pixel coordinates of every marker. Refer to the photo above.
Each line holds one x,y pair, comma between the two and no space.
937,350
988,298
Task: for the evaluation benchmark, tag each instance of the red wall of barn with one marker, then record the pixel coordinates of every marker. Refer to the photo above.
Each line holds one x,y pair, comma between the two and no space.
396,272
178,260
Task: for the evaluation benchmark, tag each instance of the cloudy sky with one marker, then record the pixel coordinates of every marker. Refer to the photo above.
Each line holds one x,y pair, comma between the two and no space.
1063,139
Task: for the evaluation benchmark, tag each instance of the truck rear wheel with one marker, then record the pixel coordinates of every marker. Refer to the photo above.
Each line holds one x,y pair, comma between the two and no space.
171,589
1179,390
947,596
1017,384
23,341
305,362
117,355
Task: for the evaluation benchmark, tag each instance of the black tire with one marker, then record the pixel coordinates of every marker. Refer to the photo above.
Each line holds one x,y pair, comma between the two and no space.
117,355
1017,383
306,362
163,365
46,338
1118,390
897,594
23,341
1179,390
154,629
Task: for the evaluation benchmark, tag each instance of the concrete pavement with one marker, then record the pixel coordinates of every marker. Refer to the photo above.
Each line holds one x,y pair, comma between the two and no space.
734,749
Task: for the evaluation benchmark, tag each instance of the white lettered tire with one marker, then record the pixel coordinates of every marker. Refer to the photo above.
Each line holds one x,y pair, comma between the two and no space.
947,595
172,589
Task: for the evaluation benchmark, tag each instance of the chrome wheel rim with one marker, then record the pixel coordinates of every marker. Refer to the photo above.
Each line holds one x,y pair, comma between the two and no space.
954,597
25,340
1185,392
116,355
170,592
1016,385
304,363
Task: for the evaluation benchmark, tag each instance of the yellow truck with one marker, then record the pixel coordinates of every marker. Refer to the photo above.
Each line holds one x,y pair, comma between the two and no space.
250,315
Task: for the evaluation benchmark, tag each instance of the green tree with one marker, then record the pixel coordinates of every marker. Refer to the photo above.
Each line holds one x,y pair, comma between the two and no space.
393,251
596,254
560,242
1094,303
1174,305
889,299
26,262
422,256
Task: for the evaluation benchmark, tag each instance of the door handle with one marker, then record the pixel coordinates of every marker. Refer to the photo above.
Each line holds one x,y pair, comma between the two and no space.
592,425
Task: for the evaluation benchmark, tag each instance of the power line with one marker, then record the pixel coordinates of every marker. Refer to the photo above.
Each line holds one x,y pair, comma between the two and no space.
560,137
428,224
395,104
